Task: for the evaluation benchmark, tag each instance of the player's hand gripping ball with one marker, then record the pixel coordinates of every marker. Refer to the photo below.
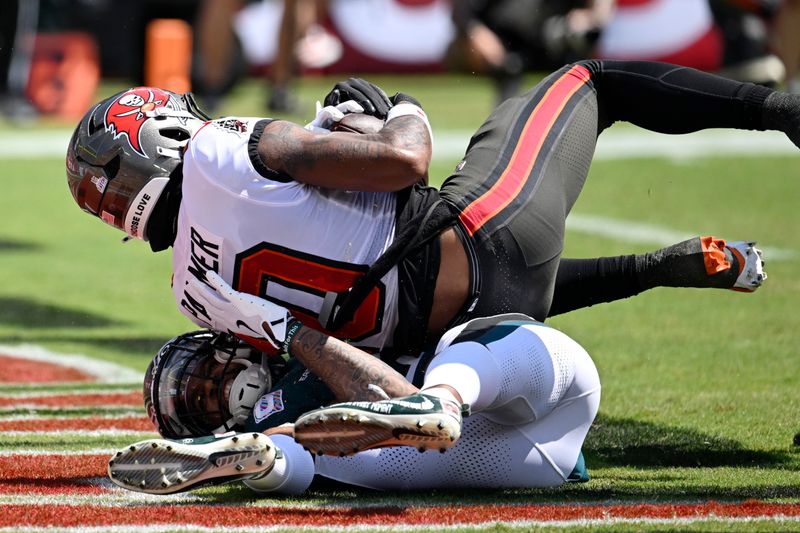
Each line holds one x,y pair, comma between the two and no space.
371,97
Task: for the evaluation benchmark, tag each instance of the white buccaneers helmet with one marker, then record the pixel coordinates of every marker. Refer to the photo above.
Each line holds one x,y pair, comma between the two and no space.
204,382
124,158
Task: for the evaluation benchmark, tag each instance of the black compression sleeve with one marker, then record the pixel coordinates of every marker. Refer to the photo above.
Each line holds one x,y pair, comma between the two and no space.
672,99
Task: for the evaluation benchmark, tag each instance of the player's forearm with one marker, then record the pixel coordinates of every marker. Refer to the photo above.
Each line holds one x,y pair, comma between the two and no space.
345,369
390,160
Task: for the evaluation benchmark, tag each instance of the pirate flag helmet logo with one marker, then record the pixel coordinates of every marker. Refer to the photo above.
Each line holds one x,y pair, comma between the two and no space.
126,115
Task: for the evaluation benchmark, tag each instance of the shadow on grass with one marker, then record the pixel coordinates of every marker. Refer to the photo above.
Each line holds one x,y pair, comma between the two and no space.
626,442
127,345
10,245
123,345
26,313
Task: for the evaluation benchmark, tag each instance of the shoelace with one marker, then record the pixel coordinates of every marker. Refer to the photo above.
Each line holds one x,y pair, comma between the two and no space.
379,391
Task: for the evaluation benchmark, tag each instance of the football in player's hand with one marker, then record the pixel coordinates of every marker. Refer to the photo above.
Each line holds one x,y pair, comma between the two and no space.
358,123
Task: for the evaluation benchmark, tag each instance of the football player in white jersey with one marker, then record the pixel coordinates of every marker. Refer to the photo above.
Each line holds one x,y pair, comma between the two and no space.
533,394
337,227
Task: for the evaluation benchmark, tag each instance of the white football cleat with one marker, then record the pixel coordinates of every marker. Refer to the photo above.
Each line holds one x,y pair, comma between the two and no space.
159,466
419,420
751,265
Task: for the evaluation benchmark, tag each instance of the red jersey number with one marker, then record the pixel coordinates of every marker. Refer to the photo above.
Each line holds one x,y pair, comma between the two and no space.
264,264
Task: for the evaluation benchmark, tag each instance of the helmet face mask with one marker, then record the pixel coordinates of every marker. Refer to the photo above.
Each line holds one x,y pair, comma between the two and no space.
204,382
125,153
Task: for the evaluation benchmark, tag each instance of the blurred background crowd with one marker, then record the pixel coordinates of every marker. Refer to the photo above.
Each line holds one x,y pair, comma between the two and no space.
54,53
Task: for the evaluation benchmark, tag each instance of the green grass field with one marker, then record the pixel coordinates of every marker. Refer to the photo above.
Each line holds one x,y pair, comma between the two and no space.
700,387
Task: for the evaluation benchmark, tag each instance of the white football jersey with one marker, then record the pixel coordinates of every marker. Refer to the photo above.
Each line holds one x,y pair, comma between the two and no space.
288,242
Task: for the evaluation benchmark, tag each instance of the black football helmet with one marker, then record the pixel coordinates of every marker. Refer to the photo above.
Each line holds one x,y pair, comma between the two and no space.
204,382
122,160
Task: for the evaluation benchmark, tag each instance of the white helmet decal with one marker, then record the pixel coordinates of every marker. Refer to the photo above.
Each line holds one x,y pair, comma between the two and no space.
142,207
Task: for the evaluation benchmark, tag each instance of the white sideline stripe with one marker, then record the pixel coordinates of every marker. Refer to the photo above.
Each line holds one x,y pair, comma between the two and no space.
81,433
639,143
123,410
82,392
616,143
36,418
491,525
104,371
34,144
632,143
93,451
641,233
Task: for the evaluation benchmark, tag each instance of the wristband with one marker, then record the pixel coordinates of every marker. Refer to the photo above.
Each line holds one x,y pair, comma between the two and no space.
405,108
291,331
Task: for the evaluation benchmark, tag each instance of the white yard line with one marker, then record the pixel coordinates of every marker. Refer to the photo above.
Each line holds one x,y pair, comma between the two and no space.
91,451
642,233
628,143
88,433
631,143
28,411
616,143
122,390
104,416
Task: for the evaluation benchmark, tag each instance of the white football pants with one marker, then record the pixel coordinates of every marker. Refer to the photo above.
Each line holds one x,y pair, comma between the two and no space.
535,395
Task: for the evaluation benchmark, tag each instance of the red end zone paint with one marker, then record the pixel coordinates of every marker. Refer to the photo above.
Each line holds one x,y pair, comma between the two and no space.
234,516
43,466
51,487
133,399
18,370
51,474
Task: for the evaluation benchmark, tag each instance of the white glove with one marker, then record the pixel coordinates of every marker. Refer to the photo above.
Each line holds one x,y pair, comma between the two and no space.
239,312
330,115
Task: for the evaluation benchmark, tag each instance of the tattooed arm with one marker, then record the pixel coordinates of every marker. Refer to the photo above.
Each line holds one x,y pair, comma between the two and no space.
390,160
345,369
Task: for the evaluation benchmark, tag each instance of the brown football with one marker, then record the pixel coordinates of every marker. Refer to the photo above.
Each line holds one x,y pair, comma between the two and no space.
358,123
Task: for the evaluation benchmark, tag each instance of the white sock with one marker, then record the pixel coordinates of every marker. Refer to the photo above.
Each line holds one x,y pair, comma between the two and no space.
292,473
